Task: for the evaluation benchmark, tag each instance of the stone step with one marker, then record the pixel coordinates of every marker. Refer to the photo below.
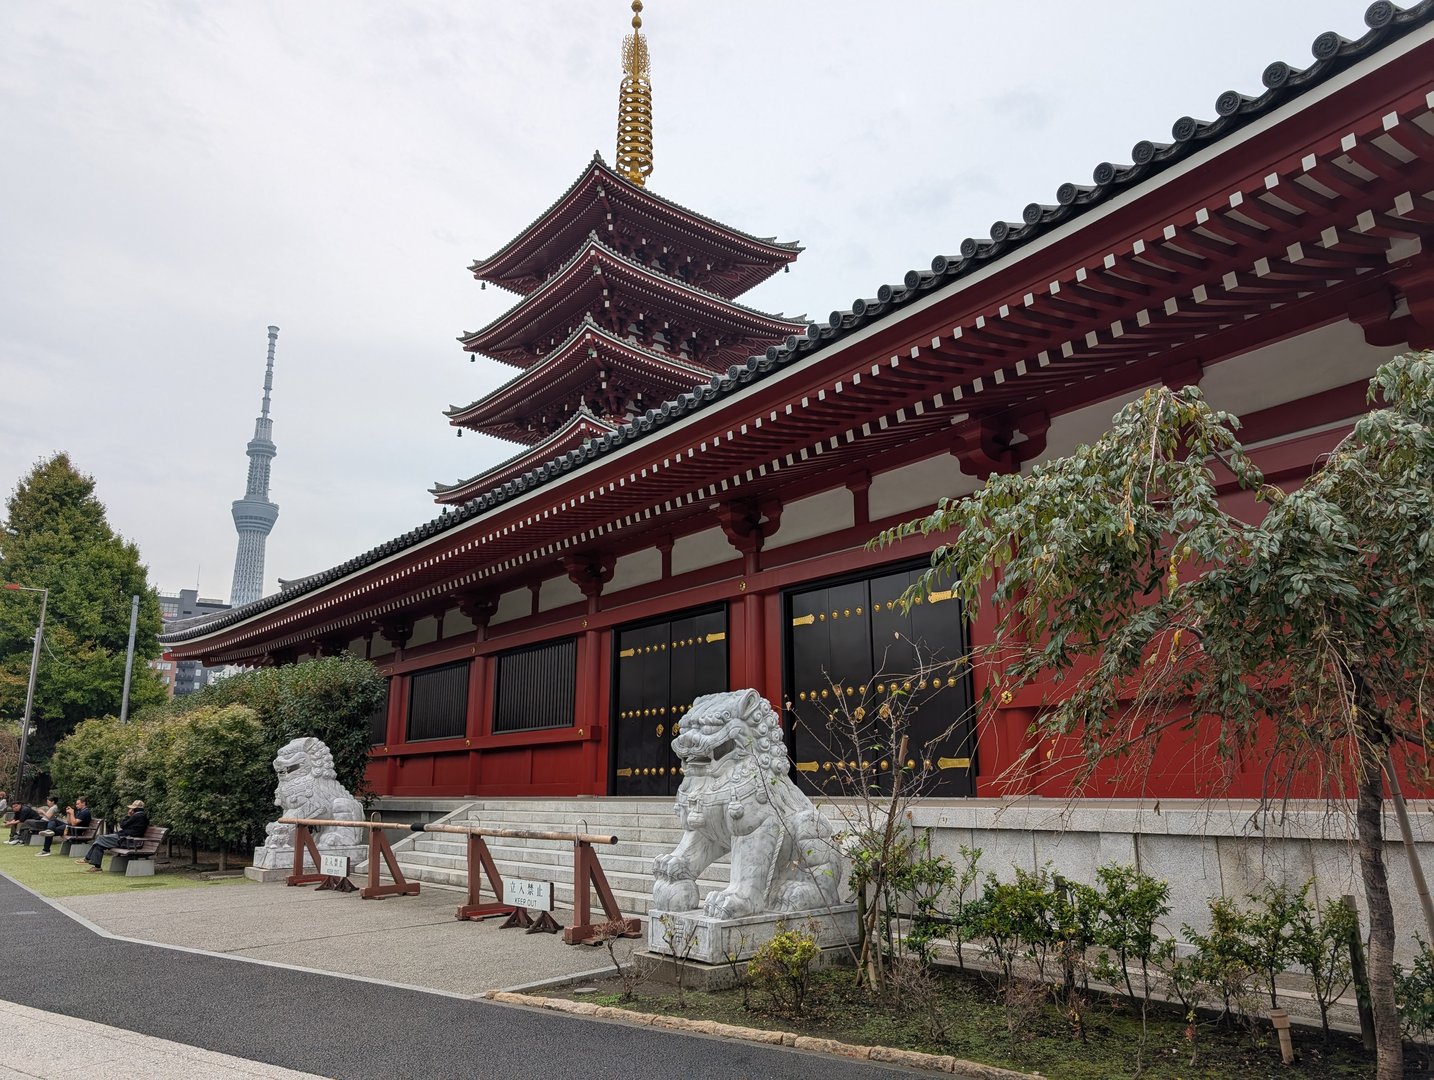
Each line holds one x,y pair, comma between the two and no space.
635,878
632,900
646,828
554,850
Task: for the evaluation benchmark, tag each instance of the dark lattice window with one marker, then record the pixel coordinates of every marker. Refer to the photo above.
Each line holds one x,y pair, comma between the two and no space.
537,687
378,719
438,702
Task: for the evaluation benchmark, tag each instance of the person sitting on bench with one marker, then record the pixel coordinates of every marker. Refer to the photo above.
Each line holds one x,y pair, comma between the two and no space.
134,825
76,820
23,818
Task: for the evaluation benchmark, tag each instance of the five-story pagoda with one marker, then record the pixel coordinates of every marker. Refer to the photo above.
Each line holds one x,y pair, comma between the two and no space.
628,300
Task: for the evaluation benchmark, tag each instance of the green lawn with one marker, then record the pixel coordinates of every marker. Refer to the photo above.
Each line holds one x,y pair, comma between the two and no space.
59,876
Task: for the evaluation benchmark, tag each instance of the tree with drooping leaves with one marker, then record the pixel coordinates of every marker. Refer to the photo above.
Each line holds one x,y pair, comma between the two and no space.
1304,638
55,536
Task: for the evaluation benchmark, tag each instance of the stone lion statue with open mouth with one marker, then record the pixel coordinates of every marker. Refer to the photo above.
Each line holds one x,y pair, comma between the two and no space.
736,796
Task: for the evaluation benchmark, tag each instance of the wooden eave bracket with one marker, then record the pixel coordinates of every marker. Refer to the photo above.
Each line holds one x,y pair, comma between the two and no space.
396,630
478,607
1374,311
747,523
590,572
990,447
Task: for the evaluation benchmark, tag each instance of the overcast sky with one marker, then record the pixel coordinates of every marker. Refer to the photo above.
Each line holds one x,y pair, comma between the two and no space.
174,177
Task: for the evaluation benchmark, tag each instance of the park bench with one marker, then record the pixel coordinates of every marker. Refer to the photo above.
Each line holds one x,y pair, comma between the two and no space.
76,845
137,861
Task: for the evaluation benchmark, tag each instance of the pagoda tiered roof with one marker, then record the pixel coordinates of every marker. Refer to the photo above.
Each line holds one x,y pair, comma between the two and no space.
711,331
575,435
606,373
633,220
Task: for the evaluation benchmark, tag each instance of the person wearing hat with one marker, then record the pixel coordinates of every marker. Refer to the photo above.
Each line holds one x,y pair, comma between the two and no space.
134,824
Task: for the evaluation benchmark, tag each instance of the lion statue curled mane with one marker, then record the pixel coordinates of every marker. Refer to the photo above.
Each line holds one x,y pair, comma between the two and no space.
309,788
736,797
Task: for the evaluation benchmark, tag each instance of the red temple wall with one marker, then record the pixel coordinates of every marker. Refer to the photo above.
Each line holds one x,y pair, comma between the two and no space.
575,761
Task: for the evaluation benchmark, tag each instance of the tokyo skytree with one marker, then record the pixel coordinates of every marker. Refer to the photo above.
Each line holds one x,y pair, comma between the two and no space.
255,514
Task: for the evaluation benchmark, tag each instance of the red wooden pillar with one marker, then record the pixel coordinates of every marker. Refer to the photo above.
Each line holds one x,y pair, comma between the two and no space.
480,608
393,734
590,572
592,711
746,524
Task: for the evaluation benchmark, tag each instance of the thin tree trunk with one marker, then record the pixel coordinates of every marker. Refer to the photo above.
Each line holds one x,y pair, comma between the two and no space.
1389,1050
223,850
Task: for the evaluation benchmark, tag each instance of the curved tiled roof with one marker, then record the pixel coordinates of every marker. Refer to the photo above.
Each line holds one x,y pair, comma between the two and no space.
1283,83
637,192
583,417
593,247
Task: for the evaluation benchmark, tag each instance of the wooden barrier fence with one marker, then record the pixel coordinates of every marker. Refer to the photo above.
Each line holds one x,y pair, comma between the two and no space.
588,877
378,847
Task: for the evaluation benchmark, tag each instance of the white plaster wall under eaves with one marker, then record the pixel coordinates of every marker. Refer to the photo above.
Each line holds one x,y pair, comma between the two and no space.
815,515
1081,427
456,624
639,568
513,604
917,486
701,549
1294,368
558,592
425,632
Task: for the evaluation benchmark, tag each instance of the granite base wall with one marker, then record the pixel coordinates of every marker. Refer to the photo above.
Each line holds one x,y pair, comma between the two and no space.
1203,849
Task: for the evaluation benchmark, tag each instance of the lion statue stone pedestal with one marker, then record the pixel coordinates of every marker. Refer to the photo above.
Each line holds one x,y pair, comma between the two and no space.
737,798
308,788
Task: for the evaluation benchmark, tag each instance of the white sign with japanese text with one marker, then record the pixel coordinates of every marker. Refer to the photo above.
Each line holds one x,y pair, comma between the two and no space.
334,865
534,895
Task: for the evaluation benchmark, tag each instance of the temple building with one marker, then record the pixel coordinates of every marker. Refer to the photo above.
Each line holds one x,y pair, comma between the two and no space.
696,482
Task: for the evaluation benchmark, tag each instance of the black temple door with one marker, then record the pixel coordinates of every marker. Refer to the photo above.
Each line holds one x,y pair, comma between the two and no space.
661,668
851,648
831,651
642,697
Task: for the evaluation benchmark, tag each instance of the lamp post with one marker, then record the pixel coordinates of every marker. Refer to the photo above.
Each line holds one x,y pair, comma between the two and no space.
30,692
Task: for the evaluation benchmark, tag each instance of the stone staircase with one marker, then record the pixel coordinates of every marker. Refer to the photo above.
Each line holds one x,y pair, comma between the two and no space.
645,828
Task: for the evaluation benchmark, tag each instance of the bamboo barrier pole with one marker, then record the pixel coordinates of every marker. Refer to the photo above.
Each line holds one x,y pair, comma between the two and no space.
313,822
515,834
462,830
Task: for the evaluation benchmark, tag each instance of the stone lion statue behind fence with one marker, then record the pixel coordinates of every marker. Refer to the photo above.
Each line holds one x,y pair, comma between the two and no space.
309,788
736,796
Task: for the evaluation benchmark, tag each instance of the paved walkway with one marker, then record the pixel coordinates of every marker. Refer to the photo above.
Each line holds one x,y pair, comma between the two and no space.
205,992
43,1044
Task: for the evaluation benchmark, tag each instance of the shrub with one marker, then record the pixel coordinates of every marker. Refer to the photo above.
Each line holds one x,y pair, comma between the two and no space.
1414,993
330,699
1321,947
202,764
87,762
1131,903
782,968
217,774
1270,930
918,882
1222,957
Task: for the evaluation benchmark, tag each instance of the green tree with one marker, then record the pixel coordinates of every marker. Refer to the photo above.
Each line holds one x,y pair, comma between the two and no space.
218,781
87,762
330,699
1306,636
55,537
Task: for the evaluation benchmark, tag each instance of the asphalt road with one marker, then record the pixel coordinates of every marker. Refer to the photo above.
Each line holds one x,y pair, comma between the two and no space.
344,1028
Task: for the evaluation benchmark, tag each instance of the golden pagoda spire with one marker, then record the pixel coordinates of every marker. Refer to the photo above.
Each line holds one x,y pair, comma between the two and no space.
634,107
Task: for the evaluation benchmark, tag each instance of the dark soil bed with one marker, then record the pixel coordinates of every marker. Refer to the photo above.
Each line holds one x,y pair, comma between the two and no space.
963,1016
